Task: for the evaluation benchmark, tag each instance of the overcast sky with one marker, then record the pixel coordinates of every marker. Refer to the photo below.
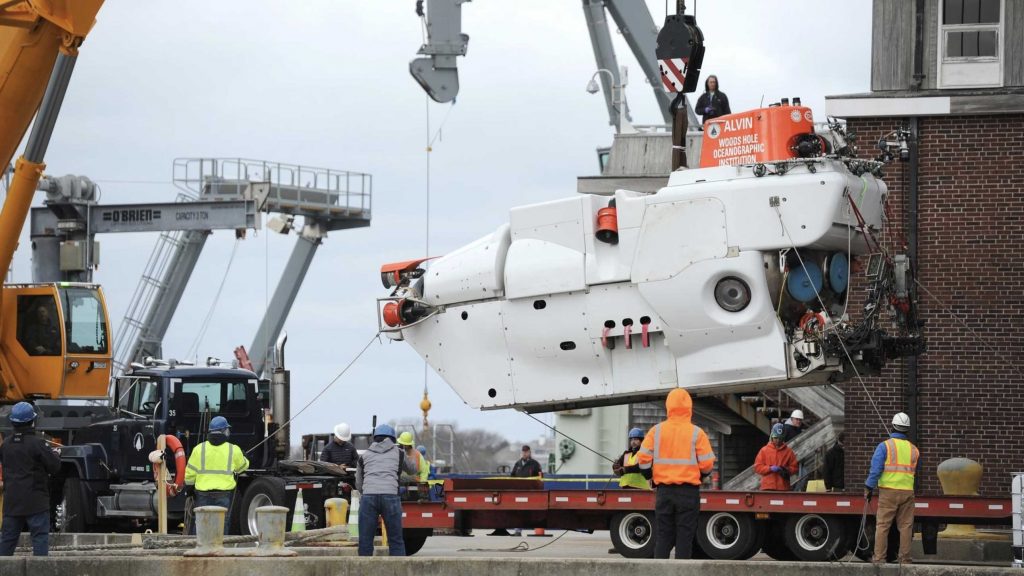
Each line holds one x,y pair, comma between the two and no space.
326,83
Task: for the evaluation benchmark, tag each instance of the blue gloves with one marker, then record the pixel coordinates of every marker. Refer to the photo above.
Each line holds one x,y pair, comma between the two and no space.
708,110
776,469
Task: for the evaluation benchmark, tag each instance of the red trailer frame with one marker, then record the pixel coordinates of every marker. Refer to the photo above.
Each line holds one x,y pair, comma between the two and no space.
733,525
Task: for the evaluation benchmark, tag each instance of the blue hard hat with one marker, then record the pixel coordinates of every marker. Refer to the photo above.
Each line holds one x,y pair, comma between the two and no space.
777,430
219,423
422,449
636,433
384,430
22,413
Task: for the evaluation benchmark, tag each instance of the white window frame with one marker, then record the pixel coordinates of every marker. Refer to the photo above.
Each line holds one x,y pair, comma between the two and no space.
998,59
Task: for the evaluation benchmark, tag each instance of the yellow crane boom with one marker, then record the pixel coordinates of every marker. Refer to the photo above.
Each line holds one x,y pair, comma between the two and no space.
32,34
54,340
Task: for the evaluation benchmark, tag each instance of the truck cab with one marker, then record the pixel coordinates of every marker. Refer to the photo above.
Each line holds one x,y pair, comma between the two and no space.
107,479
107,461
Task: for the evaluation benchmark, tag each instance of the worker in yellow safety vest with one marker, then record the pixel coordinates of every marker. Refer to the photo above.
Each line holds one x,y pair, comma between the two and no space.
424,464
212,466
892,473
627,467
407,444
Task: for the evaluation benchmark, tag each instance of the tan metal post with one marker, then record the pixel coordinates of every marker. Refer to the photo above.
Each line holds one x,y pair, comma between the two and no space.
161,486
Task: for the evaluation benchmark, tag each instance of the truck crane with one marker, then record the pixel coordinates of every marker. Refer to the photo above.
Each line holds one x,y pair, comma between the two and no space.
734,277
54,338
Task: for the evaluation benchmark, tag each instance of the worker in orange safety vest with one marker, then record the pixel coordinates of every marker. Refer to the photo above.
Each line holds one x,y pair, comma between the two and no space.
679,455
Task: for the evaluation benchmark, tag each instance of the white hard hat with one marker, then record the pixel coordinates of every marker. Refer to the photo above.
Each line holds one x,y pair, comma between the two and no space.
343,432
798,414
901,421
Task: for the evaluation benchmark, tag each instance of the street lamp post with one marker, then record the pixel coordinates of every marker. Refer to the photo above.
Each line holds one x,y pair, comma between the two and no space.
623,126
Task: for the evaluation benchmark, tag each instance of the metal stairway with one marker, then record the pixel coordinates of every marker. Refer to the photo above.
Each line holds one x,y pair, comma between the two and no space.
827,402
136,324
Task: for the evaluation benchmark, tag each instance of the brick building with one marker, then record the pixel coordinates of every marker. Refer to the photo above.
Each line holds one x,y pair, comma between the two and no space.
952,73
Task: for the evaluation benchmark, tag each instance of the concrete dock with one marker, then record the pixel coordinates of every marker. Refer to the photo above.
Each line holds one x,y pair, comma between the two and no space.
125,566
570,554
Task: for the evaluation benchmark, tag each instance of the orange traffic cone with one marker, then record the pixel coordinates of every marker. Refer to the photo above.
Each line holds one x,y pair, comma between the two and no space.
539,533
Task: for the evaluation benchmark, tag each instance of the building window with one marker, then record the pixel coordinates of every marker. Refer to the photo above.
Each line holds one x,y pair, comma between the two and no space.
971,28
970,43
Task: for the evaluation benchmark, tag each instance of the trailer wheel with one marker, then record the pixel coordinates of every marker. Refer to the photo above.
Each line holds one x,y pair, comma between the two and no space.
773,545
633,534
70,517
267,491
815,537
415,538
728,536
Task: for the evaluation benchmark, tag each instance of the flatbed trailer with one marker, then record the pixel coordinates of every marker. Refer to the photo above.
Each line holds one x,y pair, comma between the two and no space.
808,526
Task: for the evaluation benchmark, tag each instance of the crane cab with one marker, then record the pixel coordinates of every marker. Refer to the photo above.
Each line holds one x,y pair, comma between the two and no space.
54,342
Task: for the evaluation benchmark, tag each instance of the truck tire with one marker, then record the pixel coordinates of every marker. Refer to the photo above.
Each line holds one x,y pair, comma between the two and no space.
266,491
773,545
815,537
633,534
71,512
729,536
415,538
698,552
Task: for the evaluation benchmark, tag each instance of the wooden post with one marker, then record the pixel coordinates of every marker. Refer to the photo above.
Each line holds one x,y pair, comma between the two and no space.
680,124
161,487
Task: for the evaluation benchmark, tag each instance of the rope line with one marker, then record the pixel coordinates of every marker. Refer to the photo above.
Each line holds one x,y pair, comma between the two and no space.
556,431
523,546
319,394
193,348
835,329
426,218
1009,361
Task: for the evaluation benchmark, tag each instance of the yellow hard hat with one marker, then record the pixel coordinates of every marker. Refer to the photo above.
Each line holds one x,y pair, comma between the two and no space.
405,439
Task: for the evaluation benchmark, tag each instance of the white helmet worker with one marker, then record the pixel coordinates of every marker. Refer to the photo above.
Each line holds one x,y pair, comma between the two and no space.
343,432
798,414
901,422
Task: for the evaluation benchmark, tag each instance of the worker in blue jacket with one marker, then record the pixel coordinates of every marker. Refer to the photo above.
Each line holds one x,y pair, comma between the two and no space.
893,467
28,463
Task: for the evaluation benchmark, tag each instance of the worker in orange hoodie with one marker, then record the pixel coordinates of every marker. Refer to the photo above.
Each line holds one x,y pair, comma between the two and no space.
776,462
678,454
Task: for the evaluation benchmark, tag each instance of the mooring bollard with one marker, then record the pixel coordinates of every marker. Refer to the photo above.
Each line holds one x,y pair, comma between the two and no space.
270,523
209,531
337,511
